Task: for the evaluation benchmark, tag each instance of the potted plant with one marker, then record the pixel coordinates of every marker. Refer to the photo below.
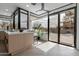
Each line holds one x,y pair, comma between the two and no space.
37,29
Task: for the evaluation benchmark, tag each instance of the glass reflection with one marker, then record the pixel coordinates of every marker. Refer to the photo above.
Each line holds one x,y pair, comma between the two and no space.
67,27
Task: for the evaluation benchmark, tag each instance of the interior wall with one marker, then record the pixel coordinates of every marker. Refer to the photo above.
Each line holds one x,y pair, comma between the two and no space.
77,26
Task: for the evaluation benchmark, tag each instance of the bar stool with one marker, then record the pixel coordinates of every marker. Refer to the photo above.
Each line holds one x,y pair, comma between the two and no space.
35,38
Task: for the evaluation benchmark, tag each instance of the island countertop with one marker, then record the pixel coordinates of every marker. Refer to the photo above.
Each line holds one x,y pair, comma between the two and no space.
13,33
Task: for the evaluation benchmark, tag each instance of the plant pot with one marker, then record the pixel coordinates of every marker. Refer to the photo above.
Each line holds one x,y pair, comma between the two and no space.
38,38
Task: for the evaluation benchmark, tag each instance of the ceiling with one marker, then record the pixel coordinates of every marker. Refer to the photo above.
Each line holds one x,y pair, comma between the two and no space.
8,8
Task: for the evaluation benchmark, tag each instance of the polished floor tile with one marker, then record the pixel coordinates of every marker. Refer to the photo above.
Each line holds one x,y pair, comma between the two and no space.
53,49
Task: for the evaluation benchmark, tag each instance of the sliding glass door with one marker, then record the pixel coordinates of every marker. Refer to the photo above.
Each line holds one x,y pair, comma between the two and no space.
62,27
53,28
67,27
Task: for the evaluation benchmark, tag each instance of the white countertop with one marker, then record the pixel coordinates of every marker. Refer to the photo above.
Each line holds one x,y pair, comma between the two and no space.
12,33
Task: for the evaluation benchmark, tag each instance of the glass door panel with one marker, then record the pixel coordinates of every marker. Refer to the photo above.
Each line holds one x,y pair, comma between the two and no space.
53,29
67,27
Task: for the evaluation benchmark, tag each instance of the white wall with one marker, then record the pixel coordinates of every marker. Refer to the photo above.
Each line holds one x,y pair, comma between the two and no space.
78,26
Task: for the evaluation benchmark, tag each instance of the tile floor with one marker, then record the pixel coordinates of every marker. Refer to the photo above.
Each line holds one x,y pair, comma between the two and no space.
49,49
64,38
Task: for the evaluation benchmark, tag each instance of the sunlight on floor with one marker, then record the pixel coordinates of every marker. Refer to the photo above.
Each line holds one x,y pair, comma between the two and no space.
37,43
45,47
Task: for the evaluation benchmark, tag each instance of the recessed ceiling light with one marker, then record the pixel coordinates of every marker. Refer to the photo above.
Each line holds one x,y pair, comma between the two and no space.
27,5
6,10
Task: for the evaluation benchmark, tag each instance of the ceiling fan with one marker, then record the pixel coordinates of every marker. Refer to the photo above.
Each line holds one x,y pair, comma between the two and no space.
42,7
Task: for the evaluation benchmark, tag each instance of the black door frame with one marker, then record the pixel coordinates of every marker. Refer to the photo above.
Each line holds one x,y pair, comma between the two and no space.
75,21
18,12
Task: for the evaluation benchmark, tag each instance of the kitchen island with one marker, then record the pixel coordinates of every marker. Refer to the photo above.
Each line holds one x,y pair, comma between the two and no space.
18,41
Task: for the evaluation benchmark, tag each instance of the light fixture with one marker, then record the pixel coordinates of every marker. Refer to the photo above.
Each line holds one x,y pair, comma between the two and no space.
27,5
6,10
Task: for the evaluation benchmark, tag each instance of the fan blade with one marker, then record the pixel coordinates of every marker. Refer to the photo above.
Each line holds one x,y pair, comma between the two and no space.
42,8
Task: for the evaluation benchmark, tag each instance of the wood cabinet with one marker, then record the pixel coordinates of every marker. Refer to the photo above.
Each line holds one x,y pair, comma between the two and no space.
19,42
